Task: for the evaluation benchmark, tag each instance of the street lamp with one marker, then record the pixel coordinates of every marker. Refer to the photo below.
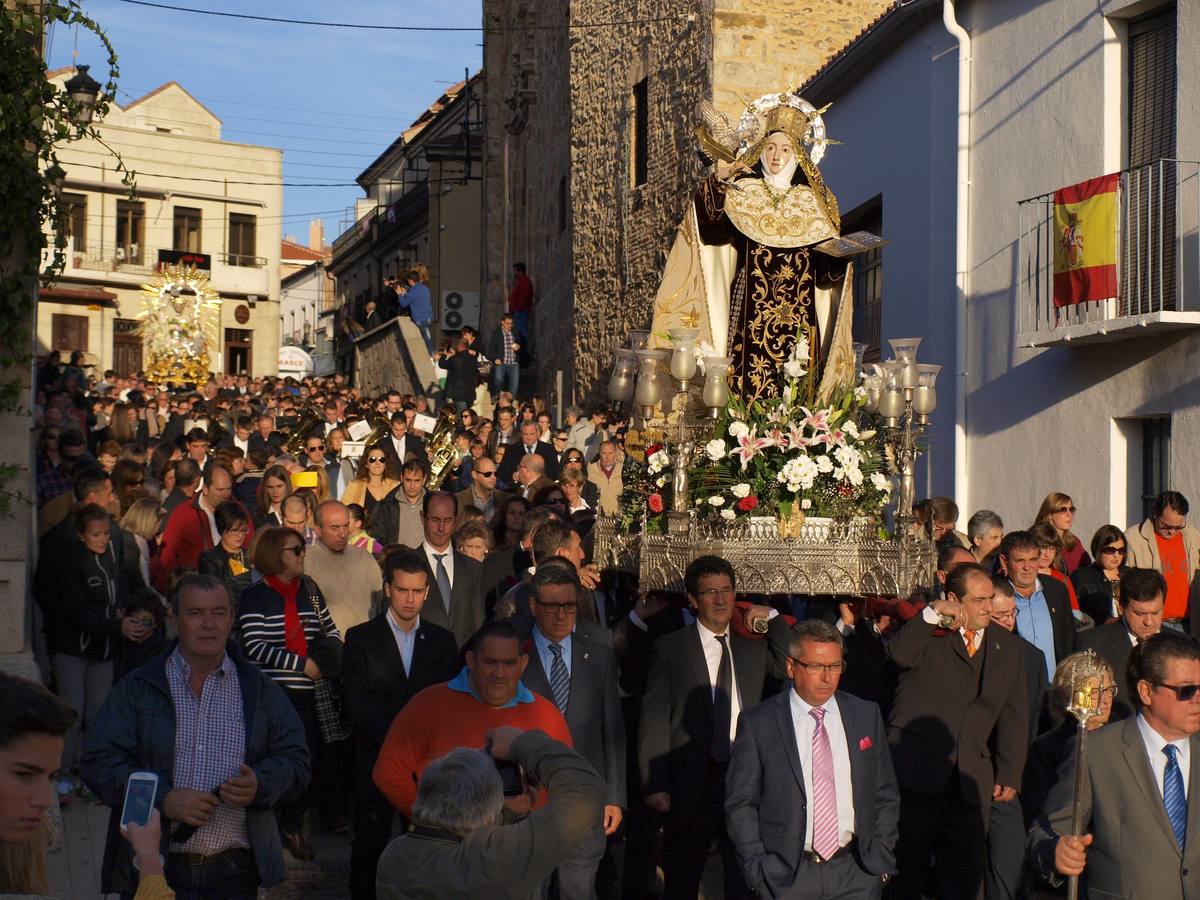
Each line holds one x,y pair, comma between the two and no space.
83,89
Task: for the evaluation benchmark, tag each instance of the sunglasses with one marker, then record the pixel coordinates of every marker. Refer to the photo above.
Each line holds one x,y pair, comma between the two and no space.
491,474
1063,509
1112,551
1183,692
376,459
315,447
299,551
1170,529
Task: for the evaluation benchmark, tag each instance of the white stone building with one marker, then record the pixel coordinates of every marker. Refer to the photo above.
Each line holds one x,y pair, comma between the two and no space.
211,201
959,120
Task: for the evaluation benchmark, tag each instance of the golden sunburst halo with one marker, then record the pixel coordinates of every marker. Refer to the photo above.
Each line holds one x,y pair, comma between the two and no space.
180,317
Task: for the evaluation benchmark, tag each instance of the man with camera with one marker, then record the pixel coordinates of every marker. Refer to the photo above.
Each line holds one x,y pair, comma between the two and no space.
456,845
486,694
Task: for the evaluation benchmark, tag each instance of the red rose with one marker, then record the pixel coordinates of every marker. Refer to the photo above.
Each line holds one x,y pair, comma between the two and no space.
748,503
652,449
655,502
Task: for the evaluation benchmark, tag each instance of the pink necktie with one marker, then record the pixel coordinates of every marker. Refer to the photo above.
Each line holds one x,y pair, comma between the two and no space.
825,840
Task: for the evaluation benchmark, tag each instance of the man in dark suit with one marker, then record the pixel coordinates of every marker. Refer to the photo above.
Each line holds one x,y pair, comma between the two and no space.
399,444
455,598
1006,821
266,438
1141,824
387,660
1045,618
527,444
1143,597
959,733
811,797
571,662
700,680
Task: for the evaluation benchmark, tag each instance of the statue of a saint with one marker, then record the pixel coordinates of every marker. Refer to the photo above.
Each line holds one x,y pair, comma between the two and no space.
746,268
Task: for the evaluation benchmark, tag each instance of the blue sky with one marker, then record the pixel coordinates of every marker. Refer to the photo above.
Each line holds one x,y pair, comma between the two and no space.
332,98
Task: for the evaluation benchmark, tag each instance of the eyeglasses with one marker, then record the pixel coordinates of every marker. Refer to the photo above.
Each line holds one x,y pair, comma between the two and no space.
556,608
1169,529
714,593
1112,551
299,551
316,447
560,437
1063,509
1183,692
376,459
1011,614
820,668
145,621
137,483
491,474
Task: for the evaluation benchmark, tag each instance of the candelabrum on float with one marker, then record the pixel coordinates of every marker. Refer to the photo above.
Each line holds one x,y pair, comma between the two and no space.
903,393
1086,679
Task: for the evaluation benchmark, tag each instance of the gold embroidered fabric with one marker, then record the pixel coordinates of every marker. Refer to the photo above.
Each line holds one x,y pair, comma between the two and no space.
777,219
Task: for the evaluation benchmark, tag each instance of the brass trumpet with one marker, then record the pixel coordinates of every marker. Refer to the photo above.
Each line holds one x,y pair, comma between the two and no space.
443,457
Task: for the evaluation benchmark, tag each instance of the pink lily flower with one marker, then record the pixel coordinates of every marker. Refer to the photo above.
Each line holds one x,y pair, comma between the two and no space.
817,421
749,446
796,439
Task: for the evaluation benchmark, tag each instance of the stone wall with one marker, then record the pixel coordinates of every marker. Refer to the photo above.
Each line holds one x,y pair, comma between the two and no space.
601,283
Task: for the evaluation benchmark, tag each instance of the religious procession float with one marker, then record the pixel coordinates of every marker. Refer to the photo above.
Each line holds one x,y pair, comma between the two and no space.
757,433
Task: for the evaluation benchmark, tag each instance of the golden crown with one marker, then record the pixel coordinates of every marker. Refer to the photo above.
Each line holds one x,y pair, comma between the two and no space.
788,120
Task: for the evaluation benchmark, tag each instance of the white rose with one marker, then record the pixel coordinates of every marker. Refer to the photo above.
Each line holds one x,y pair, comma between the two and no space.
717,500
806,503
824,465
715,449
728,514
851,429
854,473
738,429
740,490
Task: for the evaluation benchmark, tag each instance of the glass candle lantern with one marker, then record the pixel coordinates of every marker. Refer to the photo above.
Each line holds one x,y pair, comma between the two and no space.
925,393
649,388
620,384
715,393
683,358
906,353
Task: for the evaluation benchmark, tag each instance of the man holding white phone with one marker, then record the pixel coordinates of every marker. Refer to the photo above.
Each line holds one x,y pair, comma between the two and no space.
225,744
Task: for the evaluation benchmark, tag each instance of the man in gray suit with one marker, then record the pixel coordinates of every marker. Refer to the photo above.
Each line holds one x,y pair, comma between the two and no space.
455,600
811,798
572,664
1142,825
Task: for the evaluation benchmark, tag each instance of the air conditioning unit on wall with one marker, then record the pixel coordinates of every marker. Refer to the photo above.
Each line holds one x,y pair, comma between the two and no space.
459,309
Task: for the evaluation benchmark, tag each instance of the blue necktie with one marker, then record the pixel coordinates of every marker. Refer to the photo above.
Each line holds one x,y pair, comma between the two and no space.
560,679
442,577
1173,796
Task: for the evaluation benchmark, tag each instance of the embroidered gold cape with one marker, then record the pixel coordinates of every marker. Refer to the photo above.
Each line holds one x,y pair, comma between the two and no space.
743,270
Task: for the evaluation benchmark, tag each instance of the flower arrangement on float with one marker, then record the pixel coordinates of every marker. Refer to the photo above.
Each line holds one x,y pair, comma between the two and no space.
786,458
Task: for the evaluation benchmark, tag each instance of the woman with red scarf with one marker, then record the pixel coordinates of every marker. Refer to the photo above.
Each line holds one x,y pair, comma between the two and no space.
279,616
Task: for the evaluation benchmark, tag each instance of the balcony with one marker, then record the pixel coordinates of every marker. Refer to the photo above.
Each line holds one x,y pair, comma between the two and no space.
130,261
242,260
1158,263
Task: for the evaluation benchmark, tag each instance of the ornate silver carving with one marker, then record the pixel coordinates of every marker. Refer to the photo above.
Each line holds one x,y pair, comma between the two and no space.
831,557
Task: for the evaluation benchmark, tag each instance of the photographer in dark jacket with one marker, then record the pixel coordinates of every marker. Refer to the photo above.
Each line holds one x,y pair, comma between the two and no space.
462,375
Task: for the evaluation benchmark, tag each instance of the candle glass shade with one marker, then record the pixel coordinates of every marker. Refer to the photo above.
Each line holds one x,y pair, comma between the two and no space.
620,384
925,394
1087,683
715,393
650,388
906,354
891,402
859,349
872,381
639,339
683,358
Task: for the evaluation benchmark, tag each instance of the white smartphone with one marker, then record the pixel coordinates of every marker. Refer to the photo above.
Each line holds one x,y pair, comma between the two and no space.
139,798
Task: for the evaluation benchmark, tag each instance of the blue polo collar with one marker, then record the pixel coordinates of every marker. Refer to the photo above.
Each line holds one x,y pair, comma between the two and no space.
462,683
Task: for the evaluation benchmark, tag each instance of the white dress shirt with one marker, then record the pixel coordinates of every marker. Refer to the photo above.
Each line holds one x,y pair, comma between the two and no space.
399,444
244,446
406,641
447,561
804,725
712,656
1155,743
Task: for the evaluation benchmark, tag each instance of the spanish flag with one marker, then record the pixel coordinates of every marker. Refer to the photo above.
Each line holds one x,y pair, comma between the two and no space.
1085,241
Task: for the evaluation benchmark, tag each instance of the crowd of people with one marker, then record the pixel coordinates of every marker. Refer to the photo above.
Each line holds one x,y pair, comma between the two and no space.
289,627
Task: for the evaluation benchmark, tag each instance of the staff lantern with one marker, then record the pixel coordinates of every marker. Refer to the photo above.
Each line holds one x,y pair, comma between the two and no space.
1087,692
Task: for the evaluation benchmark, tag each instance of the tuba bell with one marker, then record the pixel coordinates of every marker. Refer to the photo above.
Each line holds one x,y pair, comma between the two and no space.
310,418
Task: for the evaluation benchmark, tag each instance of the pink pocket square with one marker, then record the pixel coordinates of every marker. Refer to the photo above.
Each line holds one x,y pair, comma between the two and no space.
865,744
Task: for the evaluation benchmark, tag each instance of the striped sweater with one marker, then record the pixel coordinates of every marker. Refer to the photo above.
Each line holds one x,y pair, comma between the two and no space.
261,622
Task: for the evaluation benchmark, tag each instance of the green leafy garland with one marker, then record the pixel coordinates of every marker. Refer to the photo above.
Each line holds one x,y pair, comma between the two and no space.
36,116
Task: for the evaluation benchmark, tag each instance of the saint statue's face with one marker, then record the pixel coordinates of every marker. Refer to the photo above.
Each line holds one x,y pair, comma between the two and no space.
778,152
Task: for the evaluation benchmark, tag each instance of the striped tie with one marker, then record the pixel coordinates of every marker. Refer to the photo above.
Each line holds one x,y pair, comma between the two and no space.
560,679
825,839
1174,798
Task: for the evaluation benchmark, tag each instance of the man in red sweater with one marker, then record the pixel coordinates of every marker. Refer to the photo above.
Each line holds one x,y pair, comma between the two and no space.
486,694
192,527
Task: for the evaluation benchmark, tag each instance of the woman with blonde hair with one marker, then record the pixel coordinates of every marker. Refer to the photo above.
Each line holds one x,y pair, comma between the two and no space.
377,477
1059,510
141,526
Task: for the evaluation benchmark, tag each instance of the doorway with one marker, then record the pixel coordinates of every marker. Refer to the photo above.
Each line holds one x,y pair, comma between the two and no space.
238,354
